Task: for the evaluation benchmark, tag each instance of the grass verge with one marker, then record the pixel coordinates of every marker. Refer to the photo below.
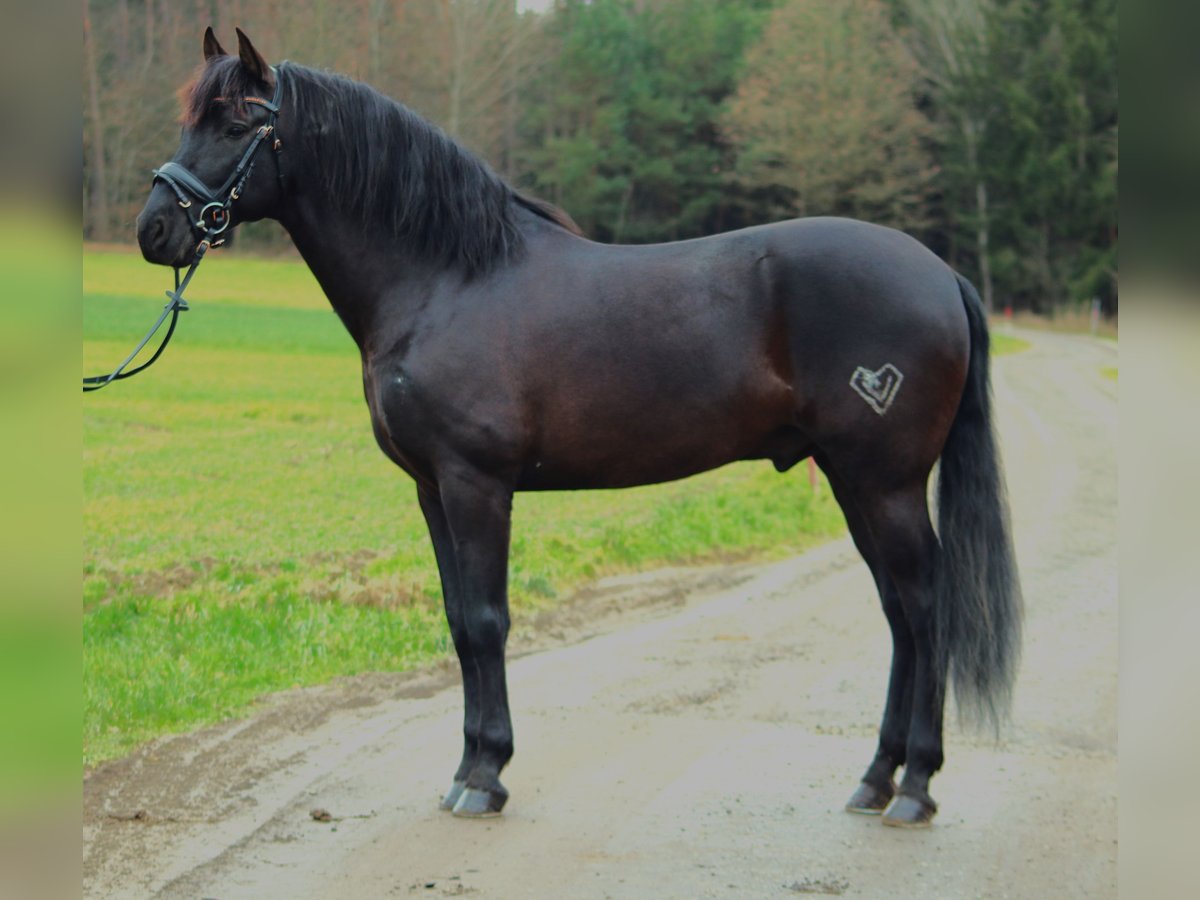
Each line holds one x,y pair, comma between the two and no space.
1003,344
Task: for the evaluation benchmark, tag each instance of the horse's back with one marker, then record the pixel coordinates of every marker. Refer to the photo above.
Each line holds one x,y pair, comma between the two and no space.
823,271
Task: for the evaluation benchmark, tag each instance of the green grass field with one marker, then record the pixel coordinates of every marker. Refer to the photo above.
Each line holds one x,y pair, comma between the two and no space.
243,533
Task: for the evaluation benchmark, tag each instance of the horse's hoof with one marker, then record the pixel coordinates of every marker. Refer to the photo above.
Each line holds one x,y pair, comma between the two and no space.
869,800
907,811
478,804
452,795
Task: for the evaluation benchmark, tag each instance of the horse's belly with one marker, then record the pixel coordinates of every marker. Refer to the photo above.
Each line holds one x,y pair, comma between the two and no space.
599,446
573,475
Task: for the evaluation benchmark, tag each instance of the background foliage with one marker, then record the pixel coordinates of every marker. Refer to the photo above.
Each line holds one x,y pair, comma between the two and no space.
986,127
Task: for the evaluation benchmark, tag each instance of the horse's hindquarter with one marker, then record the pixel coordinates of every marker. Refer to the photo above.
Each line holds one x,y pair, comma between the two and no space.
878,340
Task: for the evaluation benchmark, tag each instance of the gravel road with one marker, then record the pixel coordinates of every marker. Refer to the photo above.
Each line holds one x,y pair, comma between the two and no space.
685,733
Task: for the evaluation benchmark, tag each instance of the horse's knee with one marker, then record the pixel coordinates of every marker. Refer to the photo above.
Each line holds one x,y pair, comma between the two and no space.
486,632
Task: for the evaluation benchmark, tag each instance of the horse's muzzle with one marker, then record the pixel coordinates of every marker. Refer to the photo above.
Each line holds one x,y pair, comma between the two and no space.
164,236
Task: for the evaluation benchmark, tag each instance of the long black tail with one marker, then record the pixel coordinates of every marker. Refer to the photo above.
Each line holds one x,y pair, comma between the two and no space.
979,606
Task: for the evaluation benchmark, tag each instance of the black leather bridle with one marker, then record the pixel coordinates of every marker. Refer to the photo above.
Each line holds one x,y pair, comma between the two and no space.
208,224
214,215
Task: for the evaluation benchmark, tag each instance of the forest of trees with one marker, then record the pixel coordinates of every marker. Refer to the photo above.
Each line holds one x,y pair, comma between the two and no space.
987,128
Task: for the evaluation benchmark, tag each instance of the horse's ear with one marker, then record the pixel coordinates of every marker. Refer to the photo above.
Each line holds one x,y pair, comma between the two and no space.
253,60
212,47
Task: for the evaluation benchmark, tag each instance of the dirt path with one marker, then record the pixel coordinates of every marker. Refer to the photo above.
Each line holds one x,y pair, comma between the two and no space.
695,734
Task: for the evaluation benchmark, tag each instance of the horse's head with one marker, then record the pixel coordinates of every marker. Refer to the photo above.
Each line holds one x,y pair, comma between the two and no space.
221,174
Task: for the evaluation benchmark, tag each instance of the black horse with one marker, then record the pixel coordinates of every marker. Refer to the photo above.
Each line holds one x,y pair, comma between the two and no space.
502,351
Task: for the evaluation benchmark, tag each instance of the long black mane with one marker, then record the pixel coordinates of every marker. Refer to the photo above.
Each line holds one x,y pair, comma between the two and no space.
387,166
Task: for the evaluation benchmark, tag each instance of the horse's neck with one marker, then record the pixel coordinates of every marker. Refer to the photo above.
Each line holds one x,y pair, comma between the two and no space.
373,281
358,269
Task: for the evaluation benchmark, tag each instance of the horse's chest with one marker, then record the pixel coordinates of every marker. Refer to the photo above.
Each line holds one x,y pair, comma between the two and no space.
390,396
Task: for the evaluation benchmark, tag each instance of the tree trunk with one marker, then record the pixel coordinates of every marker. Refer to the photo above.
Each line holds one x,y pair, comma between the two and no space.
971,131
458,65
981,244
376,12
622,211
97,221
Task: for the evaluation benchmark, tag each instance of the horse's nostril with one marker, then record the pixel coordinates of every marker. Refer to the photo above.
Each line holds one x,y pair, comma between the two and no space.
152,233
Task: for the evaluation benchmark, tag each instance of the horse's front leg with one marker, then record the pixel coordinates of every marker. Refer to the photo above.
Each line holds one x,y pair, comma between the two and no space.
452,599
475,516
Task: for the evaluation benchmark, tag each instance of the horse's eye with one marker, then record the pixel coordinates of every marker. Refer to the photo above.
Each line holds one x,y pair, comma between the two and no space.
235,131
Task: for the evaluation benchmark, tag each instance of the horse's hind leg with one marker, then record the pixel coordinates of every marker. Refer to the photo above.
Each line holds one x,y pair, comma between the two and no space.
878,786
898,522
476,517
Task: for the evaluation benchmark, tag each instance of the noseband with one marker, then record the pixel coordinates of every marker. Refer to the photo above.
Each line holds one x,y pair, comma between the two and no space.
215,205
214,217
